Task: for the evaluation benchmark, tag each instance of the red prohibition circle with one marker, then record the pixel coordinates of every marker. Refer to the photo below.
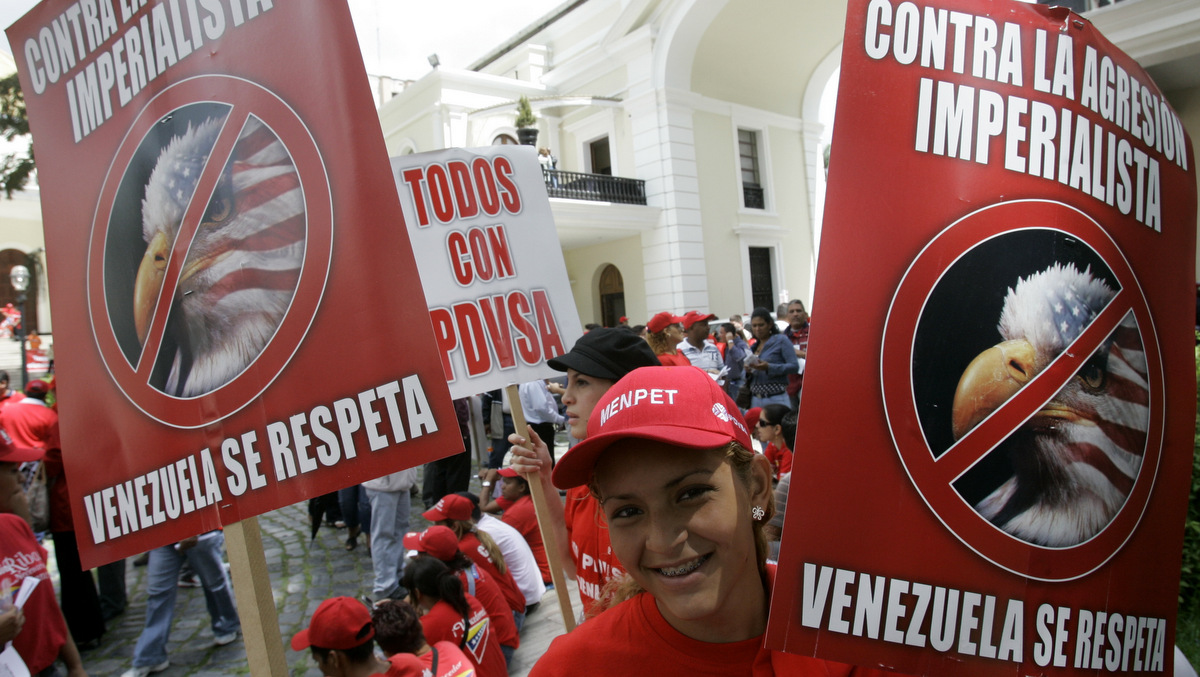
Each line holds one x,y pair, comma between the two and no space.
242,100
933,475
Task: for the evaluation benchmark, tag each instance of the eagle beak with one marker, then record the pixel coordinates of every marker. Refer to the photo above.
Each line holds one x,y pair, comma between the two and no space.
989,381
149,282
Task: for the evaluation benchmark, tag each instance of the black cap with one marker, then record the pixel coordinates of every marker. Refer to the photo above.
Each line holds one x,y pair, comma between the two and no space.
608,352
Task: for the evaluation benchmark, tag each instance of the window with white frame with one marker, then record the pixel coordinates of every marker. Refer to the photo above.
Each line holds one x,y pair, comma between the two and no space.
753,196
762,278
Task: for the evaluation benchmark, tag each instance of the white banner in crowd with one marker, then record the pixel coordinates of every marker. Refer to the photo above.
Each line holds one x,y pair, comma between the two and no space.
490,262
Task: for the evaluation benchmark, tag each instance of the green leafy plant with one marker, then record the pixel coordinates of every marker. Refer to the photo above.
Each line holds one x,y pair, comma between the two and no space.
15,168
525,117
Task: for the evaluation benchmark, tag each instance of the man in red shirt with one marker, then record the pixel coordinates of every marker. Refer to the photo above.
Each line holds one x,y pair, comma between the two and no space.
522,517
30,421
342,639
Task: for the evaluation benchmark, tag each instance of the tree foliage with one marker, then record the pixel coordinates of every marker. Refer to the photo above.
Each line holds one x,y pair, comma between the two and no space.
15,168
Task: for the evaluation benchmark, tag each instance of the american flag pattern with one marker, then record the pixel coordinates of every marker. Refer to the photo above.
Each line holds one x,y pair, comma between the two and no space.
243,266
1076,461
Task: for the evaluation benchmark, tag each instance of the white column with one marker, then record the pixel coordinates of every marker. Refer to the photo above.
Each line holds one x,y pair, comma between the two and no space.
665,155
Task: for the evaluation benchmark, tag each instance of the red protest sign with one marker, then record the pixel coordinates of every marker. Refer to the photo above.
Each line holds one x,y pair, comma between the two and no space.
1021,401
227,276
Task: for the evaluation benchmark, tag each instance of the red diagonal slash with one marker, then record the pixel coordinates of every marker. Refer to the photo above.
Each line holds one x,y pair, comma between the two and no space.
1030,399
188,227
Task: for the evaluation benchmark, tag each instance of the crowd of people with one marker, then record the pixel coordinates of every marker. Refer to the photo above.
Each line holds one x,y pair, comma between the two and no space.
453,598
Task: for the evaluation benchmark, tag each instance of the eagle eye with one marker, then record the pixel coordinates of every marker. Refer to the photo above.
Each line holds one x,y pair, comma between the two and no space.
219,209
1093,374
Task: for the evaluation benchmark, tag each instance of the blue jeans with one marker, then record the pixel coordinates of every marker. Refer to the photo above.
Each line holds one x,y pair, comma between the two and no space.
781,398
163,579
389,523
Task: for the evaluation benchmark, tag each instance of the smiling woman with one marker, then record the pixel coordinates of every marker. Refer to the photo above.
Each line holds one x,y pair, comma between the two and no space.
685,501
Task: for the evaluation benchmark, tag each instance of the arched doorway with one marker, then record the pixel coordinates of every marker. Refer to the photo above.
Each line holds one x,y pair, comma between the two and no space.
14,257
612,296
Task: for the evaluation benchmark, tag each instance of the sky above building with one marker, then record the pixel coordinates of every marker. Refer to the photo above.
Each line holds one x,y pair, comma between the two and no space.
397,36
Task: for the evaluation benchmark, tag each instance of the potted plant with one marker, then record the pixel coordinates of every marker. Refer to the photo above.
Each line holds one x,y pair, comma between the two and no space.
526,130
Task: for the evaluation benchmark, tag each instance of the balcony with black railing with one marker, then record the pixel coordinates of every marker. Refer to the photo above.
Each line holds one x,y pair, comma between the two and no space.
596,187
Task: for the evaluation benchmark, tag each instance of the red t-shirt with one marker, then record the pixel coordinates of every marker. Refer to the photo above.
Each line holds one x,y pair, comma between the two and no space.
30,423
587,532
521,516
443,624
21,557
11,398
781,459
471,546
636,631
451,662
676,360
488,593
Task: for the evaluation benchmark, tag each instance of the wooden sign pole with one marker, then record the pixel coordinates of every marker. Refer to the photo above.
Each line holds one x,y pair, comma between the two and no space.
256,602
549,538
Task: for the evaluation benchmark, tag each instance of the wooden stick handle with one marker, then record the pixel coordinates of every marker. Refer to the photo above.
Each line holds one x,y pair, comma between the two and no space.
549,538
256,602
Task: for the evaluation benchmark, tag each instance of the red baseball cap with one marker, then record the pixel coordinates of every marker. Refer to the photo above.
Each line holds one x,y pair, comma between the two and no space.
437,540
508,472
661,321
681,406
693,316
339,623
11,453
752,416
451,507
37,387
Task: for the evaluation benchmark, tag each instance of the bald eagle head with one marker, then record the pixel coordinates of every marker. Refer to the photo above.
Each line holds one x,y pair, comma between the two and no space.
241,268
1075,460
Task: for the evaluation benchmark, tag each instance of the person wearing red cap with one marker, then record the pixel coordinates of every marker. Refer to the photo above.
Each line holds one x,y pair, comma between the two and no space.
593,365
33,423
455,512
398,632
668,456
451,615
697,346
664,331
341,638
41,631
441,543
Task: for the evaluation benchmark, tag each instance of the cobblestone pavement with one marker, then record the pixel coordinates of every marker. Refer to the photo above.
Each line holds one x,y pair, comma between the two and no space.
303,573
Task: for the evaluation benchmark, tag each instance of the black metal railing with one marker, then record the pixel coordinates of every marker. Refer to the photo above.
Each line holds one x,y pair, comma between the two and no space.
753,197
598,187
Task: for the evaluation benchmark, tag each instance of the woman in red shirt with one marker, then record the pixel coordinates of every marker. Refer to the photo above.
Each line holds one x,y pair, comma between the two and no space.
398,633
668,457
450,615
664,331
770,432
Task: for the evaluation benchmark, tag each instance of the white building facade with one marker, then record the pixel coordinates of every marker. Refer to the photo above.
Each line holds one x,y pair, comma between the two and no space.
715,108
